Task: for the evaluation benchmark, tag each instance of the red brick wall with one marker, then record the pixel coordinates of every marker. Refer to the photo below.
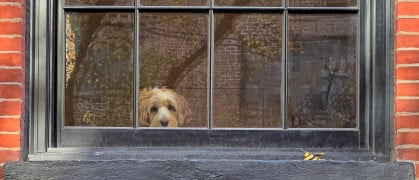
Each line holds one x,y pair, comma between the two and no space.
407,81
12,13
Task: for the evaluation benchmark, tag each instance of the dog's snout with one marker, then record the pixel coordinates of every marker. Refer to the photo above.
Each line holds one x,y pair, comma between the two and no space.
164,122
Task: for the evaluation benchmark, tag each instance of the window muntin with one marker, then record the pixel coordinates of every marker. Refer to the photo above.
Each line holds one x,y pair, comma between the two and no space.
173,2
101,2
260,3
323,3
271,108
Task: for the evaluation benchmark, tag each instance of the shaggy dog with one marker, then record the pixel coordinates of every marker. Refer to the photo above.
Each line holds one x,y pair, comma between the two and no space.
162,107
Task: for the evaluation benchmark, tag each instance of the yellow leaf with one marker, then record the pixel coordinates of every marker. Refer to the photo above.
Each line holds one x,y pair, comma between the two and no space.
87,117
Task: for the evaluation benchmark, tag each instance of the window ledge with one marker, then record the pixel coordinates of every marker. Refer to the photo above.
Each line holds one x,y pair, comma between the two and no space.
176,168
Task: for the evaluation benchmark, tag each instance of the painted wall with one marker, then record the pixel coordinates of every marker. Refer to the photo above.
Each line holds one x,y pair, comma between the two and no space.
407,81
12,38
12,52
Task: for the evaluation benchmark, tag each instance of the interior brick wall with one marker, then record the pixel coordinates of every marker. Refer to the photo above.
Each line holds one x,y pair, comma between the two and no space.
407,81
12,43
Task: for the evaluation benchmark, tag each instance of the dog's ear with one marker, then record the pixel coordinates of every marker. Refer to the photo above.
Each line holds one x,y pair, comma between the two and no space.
144,104
183,109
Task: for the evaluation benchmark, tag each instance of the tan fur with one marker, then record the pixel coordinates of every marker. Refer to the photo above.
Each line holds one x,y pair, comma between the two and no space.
160,105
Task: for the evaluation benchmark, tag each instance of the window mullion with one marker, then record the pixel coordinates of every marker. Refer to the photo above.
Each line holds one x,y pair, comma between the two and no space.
210,82
284,66
136,64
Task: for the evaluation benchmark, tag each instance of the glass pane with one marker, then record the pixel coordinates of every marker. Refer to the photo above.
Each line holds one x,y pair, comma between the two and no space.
173,54
247,72
322,71
323,3
99,69
101,2
247,2
173,2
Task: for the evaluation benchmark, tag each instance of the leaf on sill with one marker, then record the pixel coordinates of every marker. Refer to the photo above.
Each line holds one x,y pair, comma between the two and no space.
87,117
312,156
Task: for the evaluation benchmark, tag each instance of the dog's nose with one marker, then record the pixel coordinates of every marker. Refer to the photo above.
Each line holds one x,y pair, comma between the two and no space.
164,122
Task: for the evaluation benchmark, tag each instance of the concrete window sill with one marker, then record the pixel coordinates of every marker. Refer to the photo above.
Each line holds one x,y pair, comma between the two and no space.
202,163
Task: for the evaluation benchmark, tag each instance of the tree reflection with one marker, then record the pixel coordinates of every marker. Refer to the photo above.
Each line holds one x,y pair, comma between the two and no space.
173,52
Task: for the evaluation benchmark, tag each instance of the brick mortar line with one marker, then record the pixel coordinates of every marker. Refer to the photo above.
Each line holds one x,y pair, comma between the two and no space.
11,84
11,133
407,65
408,97
10,117
408,1
408,130
407,146
10,67
407,33
12,20
402,81
408,49
10,36
407,114
10,100
18,4
8,149
399,81
408,17
11,52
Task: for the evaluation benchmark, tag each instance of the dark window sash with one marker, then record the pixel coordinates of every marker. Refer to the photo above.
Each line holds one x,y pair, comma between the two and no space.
94,137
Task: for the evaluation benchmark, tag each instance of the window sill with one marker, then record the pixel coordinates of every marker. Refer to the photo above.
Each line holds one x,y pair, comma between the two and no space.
209,163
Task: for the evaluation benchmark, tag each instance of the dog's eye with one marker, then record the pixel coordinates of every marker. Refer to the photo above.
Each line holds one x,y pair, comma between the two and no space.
153,109
171,108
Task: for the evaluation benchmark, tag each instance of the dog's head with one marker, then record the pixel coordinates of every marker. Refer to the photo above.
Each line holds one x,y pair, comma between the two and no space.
162,107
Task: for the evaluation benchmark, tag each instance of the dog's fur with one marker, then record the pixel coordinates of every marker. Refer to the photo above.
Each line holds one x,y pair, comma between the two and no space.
162,107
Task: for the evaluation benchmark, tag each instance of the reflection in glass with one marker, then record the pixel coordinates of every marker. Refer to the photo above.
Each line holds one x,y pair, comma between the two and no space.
101,2
99,69
174,53
322,71
247,2
323,3
247,72
173,2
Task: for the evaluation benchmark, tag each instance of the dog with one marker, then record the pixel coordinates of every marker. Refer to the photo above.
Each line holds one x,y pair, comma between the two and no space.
162,107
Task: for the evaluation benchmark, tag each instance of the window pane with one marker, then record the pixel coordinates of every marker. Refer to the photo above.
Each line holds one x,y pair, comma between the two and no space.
173,2
247,72
323,3
247,2
322,71
101,2
174,53
99,69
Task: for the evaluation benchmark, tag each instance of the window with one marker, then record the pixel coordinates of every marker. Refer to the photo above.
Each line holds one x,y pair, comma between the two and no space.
271,73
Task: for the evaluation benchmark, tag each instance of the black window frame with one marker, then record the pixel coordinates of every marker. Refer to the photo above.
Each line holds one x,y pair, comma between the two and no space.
44,98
